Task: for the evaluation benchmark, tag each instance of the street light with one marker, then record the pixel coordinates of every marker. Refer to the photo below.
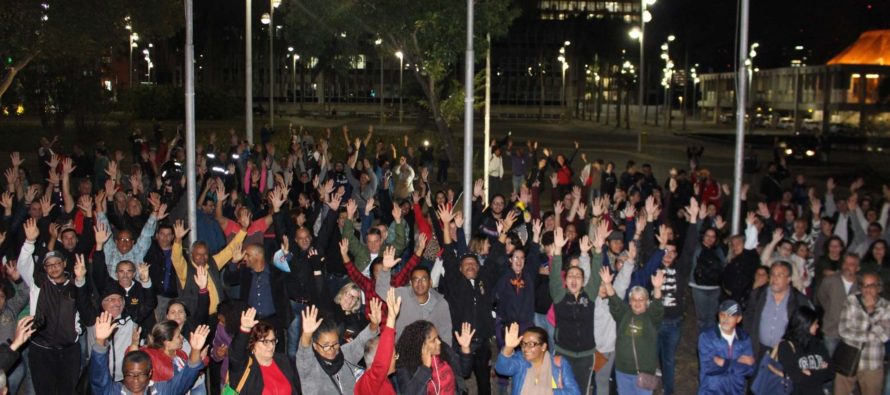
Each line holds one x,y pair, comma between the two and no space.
267,19
295,57
401,57
134,37
640,33
667,76
378,43
565,66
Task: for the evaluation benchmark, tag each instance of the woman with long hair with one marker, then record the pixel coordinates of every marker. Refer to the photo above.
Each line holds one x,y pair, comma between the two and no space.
803,355
830,261
877,260
327,365
424,366
536,370
254,366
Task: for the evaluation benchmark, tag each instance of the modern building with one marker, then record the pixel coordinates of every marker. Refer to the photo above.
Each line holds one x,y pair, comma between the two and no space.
851,91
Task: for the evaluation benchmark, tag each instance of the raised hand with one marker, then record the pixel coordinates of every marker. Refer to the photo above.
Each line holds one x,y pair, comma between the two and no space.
311,322
599,206
85,204
16,158
376,315
111,170
393,305
101,233
389,257
585,245
719,222
606,275
420,244
558,208
80,267
46,206
350,209
693,210
778,234
512,338
662,236
105,326
445,213
537,227
67,166
143,269
198,338
248,319
344,248
369,206
31,230
602,233
201,277
237,253
479,188
465,337
162,212
559,241
179,230
53,162
658,279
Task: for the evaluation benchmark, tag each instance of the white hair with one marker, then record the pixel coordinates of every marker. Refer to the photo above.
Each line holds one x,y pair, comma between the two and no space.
640,290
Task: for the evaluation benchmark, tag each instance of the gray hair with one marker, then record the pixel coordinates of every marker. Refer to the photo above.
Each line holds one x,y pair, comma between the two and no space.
640,290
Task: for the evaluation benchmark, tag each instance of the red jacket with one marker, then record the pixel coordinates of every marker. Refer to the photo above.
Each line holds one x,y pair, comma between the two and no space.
162,364
375,381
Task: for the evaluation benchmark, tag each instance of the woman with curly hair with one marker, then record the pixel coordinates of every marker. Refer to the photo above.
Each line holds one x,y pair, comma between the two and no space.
877,260
424,366
254,366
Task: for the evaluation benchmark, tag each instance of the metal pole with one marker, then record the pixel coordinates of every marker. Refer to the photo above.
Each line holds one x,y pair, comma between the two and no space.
487,148
741,89
401,93
191,162
468,124
131,61
642,75
293,78
248,72
381,88
271,66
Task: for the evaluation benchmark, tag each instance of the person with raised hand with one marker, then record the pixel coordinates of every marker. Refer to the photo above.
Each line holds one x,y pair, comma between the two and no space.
55,302
139,372
326,364
126,246
638,324
536,370
200,256
254,366
425,366
380,354
573,305
375,242
419,300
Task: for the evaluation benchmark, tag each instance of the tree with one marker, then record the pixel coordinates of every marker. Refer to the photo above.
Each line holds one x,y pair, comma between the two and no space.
431,34
77,32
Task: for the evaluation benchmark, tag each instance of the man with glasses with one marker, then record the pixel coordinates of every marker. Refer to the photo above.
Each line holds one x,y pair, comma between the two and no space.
770,307
419,301
126,247
55,303
865,322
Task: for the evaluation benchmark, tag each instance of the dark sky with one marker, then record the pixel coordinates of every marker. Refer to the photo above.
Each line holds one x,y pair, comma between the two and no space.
823,27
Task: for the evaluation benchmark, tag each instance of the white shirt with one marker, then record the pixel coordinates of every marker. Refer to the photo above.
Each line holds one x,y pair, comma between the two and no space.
729,338
847,285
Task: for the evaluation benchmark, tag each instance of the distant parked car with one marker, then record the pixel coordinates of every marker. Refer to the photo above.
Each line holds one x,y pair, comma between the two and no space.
785,123
811,125
802,147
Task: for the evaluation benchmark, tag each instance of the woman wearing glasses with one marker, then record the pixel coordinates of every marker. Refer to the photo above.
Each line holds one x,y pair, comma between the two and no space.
254,366
325,366
536,371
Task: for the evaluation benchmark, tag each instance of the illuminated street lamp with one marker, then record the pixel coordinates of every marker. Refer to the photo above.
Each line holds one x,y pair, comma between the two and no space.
401,57
268,19
134,37
639,34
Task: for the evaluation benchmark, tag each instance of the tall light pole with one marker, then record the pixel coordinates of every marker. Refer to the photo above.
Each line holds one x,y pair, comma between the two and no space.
377,43
295,58
749,65
668,76
469,73
565,66
191,160
148,64
248,72
269,19
401,57
740,116
134,37
639,34
693,73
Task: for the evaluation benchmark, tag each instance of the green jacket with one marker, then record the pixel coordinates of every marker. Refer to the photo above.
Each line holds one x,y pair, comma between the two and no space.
359,250
644,332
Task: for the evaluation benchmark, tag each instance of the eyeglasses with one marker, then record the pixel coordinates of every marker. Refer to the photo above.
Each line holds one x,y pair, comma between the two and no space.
136,375
420,280
124,240
268,342
329,347
52,264
872,285
526,345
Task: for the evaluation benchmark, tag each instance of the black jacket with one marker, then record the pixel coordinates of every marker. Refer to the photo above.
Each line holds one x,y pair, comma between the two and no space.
469,301
239,356
155,258
283,315
756,303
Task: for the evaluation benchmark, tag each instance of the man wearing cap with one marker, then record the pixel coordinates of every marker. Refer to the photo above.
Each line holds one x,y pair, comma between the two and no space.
726,357
55,303
112,298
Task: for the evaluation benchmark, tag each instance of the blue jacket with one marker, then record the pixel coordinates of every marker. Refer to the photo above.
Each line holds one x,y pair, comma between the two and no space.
103,384
516,366
730,378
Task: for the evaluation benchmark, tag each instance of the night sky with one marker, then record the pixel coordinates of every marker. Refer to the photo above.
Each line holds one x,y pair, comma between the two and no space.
823,27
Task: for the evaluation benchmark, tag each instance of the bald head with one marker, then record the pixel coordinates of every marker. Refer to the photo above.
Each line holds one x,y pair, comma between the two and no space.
255,257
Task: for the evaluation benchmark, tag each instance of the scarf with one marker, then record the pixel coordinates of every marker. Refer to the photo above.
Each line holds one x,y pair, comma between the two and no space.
540,382
331,367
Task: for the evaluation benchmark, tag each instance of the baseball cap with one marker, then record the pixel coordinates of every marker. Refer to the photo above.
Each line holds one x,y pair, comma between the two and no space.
730,307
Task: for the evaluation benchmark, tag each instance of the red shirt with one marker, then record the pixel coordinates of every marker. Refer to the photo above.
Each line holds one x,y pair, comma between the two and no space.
443,380
274,381
375,380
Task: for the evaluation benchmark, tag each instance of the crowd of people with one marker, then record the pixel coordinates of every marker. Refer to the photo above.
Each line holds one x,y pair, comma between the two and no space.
319,267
